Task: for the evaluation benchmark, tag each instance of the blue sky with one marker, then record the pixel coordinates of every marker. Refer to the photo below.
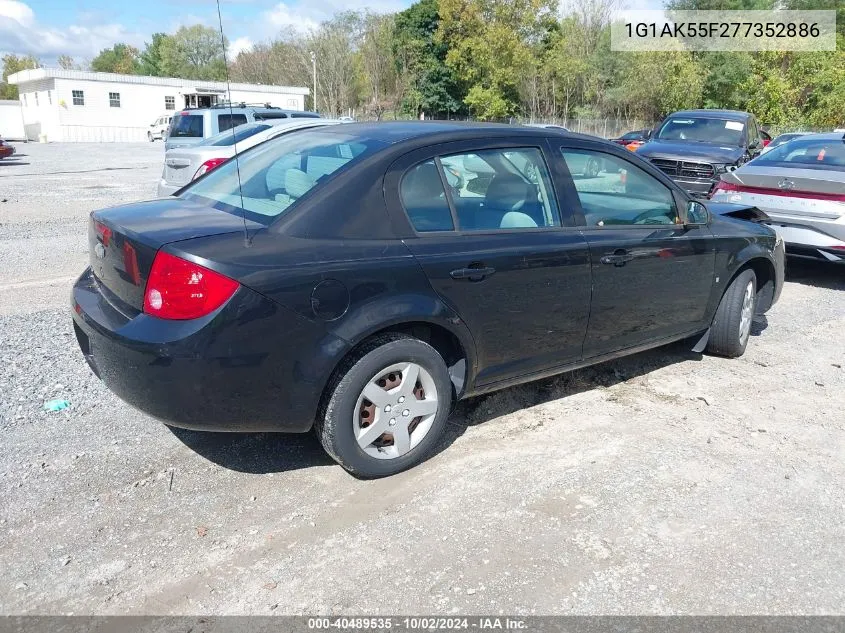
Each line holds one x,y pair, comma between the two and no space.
81,28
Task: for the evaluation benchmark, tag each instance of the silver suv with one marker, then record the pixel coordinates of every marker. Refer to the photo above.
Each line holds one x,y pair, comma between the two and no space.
192,125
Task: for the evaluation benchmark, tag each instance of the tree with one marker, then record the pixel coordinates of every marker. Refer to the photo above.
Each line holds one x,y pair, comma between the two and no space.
66,62
151,58
11,65
377,68
120,58
490,48
193,52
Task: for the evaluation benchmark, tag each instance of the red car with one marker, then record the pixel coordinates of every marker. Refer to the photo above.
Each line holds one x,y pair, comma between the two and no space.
635,138
6,150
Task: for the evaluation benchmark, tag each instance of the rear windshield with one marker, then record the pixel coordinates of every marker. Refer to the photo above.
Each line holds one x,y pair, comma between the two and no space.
235,135
807,153
702,130
275,174
187,125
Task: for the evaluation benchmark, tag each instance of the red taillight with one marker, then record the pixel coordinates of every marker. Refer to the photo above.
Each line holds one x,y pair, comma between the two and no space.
208,165
179,289
725,186
103,231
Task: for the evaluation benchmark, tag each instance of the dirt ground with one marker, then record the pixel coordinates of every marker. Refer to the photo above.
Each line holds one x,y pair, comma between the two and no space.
668,482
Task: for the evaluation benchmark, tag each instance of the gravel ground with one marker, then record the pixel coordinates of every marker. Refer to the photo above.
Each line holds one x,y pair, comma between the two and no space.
667,482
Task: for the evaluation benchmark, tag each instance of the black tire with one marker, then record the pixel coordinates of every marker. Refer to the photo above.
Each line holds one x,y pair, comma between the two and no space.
593,168
334,425
150,137
727,337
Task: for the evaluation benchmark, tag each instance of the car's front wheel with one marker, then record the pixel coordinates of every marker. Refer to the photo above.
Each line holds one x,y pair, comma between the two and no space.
150,137
387,406
732,324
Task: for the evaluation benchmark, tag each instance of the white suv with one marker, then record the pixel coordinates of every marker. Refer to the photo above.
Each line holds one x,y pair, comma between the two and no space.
158,128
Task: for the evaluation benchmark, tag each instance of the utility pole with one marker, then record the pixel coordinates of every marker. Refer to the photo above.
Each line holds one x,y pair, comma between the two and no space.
314,71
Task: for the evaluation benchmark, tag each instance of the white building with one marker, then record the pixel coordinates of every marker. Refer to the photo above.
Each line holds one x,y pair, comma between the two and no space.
76,105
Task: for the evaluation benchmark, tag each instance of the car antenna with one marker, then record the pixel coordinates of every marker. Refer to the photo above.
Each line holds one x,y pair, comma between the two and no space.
247,240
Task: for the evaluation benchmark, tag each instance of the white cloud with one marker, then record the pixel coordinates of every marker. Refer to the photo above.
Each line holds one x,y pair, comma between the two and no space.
238,46
21,33
282,16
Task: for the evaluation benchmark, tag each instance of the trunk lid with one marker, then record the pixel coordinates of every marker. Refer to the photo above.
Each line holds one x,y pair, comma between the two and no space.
180,167
786,179
123,242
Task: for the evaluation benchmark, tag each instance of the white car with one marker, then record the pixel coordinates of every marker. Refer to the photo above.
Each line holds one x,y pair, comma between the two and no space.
184,164
158,128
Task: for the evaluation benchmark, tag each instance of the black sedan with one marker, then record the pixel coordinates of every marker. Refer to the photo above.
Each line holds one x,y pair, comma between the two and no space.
360,279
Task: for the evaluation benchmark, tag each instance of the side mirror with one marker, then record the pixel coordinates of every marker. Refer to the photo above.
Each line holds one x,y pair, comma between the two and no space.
697,214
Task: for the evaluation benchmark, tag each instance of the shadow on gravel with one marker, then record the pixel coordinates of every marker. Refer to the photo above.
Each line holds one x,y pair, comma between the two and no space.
12,163
484,408
815,273
256,453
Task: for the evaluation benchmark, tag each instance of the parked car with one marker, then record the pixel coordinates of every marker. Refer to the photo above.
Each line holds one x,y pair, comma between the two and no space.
547,126
182,165
632,140
332,279
191,126
158,128
6,149
780,140
801,186
695,147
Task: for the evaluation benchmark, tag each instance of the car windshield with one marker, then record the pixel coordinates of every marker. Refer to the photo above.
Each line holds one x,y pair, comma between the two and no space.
236,134
807,153
702,130
275,174
187,125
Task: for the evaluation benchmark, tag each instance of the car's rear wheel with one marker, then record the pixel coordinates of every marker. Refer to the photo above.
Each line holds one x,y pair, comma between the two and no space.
732,325
387,406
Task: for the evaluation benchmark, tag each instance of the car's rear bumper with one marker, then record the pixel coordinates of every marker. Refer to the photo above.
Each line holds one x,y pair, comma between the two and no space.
811,228
164,190
249,366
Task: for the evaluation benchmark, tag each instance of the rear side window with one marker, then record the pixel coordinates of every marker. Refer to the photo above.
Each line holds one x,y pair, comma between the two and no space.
304,115
187,126
424,199
273,176
228,121
502,189
613,191
266,116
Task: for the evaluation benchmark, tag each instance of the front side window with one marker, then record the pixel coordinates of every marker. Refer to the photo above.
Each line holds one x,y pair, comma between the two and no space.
170,103
274,175
501,189
228,121
424,199
78,97
114,99
614,192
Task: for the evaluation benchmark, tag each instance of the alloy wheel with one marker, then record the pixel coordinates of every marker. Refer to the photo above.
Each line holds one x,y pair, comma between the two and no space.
747,314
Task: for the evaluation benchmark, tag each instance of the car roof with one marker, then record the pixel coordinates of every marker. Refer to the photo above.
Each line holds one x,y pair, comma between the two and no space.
391,132
735,115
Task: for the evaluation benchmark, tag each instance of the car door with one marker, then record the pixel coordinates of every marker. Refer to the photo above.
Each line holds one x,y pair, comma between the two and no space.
484,224
652,275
